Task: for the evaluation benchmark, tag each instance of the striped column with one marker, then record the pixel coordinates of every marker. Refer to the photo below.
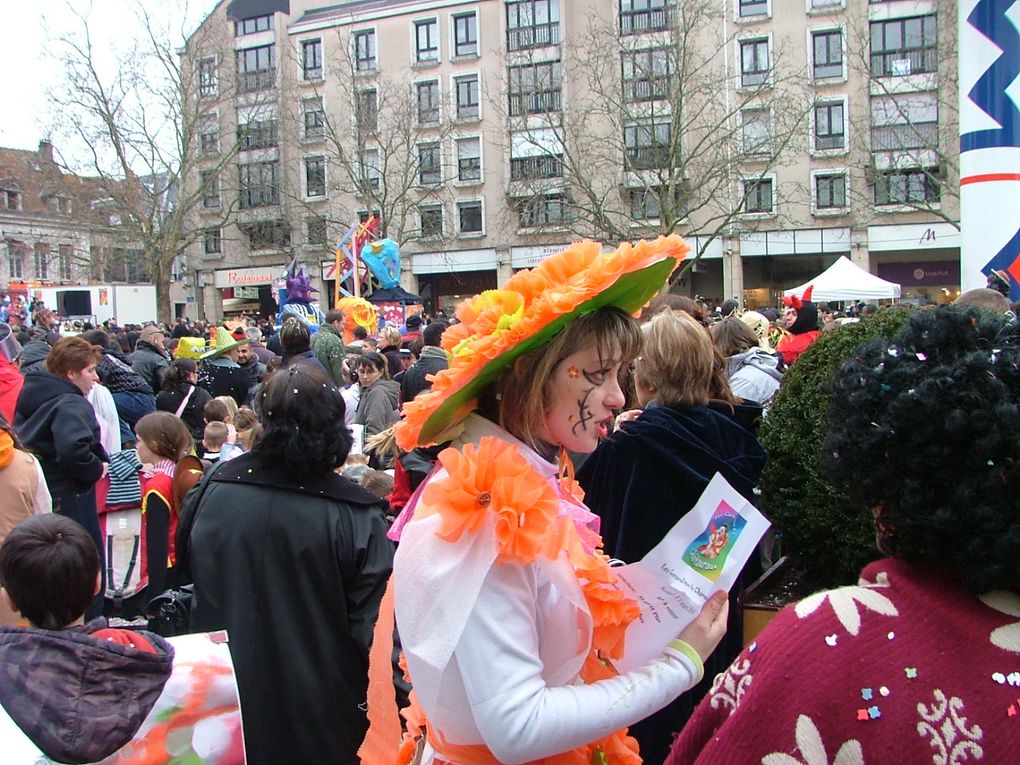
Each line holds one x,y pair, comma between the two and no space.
989,62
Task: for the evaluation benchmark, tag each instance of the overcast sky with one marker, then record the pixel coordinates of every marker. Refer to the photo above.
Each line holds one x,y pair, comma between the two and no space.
25,31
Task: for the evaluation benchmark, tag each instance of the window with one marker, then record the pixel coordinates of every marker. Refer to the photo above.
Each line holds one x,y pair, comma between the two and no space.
904,187
828,53
315,176
550,209
426,41
830,191
754,130
648,145
644,204
315,231
268,234
469,159
65,261
638,16
750,8
536,167
369,162
253,25
903,46
210,184
13,200
827,4
42,260
428,98
16,260
364,51
469,215
431,221
905,121
257,134
209,134
465,35
646,74
754,62
64,205
830,131
430,164
208,77
212,241
532,24
314,117
366,110
259,184
758,195
468,98
535,88
256,69
311,60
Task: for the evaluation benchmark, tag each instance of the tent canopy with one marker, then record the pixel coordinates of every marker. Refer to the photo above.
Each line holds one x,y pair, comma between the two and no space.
394,295
845,281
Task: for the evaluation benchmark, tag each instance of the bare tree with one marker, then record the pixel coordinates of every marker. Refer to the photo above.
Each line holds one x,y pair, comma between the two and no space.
908,132
659,131
386,147
143,124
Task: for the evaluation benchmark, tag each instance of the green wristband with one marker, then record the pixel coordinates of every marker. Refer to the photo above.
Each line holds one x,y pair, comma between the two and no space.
685,648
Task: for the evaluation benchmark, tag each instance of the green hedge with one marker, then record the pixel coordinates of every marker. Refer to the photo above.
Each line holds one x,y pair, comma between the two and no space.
827,539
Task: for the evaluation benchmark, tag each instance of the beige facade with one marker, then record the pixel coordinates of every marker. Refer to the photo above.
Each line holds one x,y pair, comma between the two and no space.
485,134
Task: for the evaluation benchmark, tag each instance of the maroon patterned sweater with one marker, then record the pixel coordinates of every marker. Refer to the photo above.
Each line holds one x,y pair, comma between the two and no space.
905,668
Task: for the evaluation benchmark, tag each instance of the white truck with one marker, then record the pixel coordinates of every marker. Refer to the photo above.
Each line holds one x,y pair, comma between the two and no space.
95,303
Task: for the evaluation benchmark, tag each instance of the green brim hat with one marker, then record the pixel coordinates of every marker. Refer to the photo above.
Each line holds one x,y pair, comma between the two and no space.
224,342
499,326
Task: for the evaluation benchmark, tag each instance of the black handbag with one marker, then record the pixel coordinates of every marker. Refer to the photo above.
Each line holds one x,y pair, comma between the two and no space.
170,611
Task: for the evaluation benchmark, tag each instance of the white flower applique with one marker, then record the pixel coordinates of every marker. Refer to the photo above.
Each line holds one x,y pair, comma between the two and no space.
730,686
844,602
1006,637
951,738
809,742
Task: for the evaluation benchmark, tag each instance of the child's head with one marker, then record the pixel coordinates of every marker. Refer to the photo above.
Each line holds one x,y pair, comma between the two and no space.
161,436
230,404
215,436
248,428
49,570
216,411
378,482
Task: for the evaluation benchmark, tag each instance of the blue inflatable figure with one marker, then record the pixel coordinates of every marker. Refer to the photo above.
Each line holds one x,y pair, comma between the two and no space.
383,259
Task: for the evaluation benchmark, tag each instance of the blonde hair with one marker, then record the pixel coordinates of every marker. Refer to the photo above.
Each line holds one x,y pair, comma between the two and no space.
521,395
231,404
391,335
215,435
677,360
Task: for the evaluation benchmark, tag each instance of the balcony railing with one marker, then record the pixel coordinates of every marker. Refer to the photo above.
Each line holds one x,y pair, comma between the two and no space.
252,82
533,168
650,20
651,89
537,102
647,157
918,135
536,36
899,63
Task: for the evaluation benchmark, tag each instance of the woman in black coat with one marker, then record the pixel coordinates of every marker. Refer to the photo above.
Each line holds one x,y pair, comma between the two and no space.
180,387
292,560
57,424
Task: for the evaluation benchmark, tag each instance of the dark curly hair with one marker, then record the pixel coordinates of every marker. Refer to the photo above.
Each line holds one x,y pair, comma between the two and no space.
925,429
304,432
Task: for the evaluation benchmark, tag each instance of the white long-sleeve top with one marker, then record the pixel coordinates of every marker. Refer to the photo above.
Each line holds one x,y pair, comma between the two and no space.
495,650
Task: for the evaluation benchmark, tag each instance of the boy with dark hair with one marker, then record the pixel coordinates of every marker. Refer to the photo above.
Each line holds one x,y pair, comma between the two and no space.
81,691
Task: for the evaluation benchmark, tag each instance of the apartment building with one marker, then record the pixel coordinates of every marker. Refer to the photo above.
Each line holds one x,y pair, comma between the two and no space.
57,227
488,134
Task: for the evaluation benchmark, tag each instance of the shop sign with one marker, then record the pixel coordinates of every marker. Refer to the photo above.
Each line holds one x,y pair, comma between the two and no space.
529,257
454,261
246,277
913,236
915,274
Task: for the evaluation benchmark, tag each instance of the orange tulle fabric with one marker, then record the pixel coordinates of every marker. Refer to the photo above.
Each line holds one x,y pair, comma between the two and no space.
357,312
497,320
496,478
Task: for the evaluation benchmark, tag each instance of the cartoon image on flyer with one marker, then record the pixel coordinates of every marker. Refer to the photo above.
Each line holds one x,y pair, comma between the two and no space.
707,553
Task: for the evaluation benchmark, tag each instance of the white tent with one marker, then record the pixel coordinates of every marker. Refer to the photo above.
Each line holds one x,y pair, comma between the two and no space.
845,281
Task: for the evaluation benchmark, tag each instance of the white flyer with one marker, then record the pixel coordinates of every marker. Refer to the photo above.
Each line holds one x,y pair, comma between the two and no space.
703,553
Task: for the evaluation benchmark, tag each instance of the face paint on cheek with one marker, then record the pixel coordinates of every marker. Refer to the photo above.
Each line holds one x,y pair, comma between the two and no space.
584,415
573,373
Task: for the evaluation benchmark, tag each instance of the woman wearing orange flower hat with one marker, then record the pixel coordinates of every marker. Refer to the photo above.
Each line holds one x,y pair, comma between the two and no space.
505,605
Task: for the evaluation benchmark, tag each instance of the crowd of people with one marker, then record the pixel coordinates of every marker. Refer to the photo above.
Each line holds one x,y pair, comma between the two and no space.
423,518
